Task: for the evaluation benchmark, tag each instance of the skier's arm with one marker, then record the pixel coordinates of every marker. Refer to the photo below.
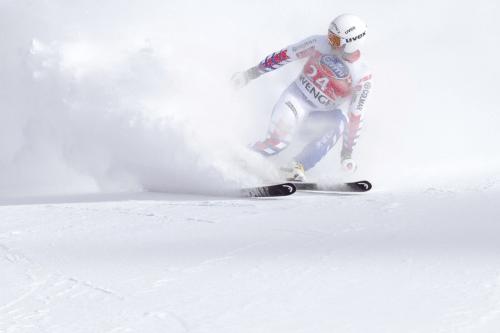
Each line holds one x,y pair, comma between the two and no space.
355,114
276,60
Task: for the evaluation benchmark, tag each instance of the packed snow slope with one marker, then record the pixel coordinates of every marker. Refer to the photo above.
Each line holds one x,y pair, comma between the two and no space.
420,262
104,102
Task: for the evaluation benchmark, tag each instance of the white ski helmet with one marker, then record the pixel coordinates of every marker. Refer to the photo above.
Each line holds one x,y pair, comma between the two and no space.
347,31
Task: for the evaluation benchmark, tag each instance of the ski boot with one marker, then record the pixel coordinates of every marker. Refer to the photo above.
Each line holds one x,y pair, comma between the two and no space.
296,172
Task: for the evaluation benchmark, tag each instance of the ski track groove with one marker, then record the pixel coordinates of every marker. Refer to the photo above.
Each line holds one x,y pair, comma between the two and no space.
33,305
163,315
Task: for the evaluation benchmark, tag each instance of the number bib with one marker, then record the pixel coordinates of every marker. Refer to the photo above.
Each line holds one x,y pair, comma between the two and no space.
326,79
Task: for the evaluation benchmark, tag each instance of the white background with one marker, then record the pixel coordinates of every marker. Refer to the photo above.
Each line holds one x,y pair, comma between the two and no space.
100,100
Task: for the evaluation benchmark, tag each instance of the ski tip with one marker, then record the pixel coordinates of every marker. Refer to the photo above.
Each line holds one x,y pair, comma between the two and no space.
277,190
360,186
287,188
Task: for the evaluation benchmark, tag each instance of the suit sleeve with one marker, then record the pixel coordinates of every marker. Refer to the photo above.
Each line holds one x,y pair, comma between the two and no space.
355,115
282,57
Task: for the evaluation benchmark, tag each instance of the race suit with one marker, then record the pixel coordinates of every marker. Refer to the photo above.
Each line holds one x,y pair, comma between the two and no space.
330,93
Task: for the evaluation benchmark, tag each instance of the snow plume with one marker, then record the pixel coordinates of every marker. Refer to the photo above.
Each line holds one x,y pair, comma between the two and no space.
110,96
96,102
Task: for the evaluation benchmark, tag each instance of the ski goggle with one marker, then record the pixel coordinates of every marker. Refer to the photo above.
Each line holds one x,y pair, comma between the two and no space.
334,39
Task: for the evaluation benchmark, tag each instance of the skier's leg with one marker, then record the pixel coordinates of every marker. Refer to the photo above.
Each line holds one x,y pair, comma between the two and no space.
288,112
324,129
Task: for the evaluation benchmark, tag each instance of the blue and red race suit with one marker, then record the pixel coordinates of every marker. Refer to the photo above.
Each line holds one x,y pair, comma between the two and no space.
331,82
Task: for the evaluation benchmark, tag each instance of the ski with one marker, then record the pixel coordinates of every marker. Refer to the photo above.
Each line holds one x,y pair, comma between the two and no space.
277,190
359,186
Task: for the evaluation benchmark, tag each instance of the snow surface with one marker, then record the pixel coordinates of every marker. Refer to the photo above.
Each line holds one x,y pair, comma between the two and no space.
420,262
105,104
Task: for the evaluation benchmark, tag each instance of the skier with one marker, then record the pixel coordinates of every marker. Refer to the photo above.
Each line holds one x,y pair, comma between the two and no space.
329,96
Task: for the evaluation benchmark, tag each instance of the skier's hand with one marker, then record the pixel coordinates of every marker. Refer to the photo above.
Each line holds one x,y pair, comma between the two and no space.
349,165
240,79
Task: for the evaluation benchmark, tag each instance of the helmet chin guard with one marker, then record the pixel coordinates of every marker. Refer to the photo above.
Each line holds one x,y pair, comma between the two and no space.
347,32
